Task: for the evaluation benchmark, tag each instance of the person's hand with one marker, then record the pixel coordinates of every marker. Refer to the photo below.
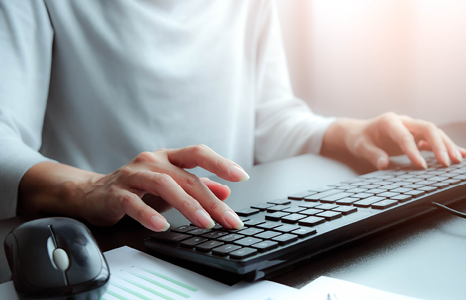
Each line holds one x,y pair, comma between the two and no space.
153,180
391,134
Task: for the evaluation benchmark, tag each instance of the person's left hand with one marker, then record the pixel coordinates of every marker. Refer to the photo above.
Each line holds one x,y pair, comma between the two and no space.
391,134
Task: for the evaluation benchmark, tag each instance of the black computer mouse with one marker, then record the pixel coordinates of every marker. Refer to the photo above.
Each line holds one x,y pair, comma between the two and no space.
56,258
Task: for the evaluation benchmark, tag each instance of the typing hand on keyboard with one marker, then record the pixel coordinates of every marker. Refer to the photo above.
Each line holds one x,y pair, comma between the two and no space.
279,233
390,134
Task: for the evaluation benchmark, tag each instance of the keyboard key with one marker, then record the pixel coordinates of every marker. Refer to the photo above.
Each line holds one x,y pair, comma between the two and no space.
329,215
440,185
308,204
334,197
326,206
428,182
275,216
286,228
250,231
207,246
293,218
277,208
234,230
199,231
356,190
267,235
183,228
415,193
265,246
244,219
190,243
427,189
452,181
401,190
294,209
262,206
311,212
375,191
304,232
242,253
368,201
253,222
285,238
169,237
280,202
230,238
269,225
214,234
311,221
388,194
347,201
384,204
317,196
247,212
345,210
225,249
402,198
362,195
300,196
248,241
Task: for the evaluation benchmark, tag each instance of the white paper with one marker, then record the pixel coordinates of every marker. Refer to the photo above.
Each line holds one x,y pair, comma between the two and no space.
344,290
135,270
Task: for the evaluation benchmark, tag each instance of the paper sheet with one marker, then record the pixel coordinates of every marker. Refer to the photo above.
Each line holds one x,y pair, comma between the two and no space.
344,290
136,275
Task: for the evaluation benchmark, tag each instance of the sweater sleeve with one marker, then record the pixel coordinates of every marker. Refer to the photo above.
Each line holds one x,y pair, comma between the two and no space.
26,37
285,125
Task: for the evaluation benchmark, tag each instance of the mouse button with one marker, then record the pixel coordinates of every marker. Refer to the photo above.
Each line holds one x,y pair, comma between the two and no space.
85,258
61,260
35,265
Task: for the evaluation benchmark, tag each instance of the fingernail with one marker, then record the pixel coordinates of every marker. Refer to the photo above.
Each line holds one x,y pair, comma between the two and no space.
445,158
204,219
459,156
381,161
233,220
238,173
159,223
423,162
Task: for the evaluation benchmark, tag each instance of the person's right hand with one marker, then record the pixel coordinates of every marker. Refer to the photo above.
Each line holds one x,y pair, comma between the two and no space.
159,176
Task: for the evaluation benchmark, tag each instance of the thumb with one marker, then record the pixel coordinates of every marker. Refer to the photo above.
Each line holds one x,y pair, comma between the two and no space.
374,154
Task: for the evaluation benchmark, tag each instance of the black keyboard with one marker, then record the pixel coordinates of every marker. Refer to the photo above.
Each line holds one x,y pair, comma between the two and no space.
280,233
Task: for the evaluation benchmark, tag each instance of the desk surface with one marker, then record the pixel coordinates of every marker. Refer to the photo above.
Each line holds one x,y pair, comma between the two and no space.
424,259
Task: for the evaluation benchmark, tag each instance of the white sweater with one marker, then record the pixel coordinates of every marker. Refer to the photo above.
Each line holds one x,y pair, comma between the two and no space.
93,83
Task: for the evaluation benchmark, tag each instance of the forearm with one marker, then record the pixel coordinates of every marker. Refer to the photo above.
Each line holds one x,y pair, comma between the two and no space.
54,187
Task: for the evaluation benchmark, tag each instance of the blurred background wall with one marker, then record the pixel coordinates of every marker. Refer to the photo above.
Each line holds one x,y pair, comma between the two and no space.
360,58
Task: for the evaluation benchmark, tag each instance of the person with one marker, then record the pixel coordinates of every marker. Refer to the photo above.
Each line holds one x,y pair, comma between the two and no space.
104,105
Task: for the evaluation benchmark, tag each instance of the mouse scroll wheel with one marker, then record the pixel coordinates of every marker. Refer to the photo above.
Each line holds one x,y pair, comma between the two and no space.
60,258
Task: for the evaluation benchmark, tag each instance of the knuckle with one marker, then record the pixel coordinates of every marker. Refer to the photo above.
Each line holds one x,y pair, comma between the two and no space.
144,157
185,204
192,180
163,179
125,201
199,148
388,118
215,205
125,172
222,164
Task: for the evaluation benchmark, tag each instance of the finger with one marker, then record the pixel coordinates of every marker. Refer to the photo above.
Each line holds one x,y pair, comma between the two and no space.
462,151
204,157
397,131
166,187
452,149
133,206
221,191
195,187
429,132
368,150
423,146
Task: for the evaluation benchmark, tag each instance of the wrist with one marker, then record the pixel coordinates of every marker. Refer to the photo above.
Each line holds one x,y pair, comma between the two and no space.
53,187
338,135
